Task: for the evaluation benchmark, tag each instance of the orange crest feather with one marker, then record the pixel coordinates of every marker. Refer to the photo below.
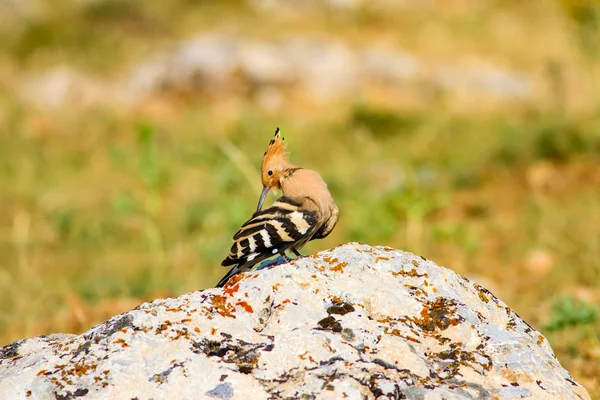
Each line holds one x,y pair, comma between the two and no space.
276,150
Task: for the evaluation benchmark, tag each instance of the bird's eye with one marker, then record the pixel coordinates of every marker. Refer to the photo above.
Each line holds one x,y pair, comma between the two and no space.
270,173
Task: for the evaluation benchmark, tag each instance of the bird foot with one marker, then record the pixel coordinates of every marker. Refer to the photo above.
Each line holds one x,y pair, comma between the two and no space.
271,263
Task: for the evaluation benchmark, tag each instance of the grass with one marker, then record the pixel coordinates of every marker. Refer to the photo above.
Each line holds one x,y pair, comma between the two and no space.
105,208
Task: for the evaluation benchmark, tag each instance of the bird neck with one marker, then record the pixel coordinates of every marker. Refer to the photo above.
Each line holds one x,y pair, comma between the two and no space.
304,183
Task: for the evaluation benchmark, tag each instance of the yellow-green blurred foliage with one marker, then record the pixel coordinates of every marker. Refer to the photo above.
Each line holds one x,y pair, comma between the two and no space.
106,204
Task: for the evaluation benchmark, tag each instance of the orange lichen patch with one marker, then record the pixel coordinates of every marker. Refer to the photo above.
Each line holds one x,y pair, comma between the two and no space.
437,315
232,287
28,393
181,333
55,381
380,258
412,339
339,267
236,279
42,372
213,330
328,347
313,276
186,320
173,309
416,291
121,341
247,307
412,273
394,331
223,308
483,297
415,263
330,260
197,330
276,286
540,340
516,376
81,369
163,327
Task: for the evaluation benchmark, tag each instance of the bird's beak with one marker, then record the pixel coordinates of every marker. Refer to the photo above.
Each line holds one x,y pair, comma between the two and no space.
263,196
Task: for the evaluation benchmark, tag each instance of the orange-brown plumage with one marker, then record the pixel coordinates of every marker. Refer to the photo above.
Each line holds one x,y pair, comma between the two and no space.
305,212
274,162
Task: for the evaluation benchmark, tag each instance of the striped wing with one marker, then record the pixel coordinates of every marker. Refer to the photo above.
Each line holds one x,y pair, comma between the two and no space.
272,231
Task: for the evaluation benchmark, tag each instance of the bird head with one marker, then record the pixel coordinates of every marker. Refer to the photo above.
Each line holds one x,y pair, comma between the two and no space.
273,168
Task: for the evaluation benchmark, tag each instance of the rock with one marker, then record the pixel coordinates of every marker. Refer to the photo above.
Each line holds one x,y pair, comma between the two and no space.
20,10
389,67
484,79
204,60
64,85
325,70
262,64
353,322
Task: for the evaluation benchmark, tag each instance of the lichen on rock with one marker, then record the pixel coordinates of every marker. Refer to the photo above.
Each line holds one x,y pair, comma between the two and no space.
352,322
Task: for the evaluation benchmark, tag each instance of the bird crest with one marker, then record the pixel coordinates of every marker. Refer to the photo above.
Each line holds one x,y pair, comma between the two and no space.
274,162
276,150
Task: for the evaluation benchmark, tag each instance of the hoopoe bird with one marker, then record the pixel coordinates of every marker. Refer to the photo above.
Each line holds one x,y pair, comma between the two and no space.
306,211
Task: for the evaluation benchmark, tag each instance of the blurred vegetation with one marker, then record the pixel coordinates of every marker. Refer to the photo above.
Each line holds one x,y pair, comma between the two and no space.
104,208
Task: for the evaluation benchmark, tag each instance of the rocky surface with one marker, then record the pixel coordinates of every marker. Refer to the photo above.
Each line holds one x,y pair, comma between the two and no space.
354,322
323,70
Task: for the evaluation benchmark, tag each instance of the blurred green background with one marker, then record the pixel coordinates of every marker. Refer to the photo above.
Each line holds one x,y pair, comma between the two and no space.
131,135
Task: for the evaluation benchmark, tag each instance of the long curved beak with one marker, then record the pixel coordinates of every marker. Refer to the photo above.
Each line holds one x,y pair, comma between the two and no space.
263,196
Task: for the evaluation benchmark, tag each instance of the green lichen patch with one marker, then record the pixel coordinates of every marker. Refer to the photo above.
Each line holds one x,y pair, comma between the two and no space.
243,354
330,324
452,359
342,308
163,376
10,351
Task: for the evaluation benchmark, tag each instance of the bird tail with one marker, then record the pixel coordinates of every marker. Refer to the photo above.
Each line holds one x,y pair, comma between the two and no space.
233,271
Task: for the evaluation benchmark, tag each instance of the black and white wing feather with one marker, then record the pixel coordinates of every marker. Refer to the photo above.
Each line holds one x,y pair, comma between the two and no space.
271,231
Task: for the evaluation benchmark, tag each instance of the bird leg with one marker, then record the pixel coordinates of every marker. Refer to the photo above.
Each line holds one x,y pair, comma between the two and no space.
285,257
296,252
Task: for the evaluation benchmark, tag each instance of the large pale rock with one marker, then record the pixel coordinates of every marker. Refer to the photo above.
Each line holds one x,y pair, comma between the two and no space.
354,322
324,70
